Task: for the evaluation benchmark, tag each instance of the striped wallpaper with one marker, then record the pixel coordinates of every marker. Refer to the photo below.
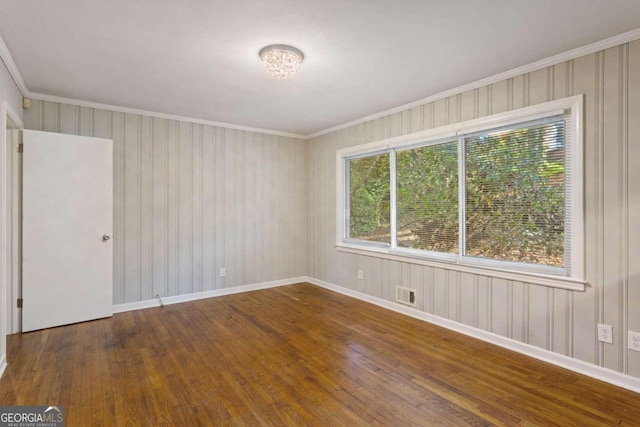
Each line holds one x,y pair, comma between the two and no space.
558,320
191,199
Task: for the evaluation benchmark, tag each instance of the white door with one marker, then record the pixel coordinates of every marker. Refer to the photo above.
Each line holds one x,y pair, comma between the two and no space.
67,221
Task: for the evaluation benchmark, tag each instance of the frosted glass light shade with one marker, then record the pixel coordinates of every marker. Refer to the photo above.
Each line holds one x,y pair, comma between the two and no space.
281,61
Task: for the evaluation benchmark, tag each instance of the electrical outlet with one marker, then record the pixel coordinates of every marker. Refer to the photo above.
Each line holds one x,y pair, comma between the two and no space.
605,333
223,272
360,274
634,341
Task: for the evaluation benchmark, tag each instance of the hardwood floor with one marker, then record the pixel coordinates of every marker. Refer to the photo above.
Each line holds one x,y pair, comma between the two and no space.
295,355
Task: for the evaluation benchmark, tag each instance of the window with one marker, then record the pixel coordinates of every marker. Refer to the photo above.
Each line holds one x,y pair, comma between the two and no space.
502,192
515,194
369,198
427,198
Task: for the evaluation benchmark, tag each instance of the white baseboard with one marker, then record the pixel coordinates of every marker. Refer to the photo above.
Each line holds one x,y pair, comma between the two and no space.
3,364
175,299
593,371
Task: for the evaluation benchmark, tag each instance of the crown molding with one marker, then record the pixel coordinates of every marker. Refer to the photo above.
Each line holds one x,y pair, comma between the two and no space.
6,57
534,66
90,104
627,37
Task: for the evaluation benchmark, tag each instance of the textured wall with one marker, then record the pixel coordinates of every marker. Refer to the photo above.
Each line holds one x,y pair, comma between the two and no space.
190,199
554,319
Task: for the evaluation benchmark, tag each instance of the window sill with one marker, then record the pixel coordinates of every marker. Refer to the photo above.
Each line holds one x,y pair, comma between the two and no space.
560,282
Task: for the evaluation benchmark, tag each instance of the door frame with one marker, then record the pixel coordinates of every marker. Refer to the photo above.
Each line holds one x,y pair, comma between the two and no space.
9,123
10,228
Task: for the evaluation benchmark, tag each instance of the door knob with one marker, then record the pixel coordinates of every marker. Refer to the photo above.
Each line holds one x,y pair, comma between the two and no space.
105,237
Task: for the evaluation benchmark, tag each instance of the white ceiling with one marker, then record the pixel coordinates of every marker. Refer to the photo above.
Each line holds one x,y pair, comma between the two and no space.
199,58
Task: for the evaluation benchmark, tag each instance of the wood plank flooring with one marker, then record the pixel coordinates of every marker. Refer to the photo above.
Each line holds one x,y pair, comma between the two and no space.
293,356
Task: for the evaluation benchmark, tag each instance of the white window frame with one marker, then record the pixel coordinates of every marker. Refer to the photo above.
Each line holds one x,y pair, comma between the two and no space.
536,274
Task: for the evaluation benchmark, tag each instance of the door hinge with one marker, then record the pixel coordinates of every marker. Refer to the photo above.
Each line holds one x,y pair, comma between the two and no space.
20,302
20,148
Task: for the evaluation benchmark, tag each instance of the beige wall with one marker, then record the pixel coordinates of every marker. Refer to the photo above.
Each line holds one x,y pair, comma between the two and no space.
191,199
558,320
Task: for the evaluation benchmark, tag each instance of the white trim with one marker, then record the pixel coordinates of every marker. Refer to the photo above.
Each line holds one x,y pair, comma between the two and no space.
607,375
16,122
617,40
535,274
3,364
560,282
341,214
454,130
6,57
393,194
534,66
15,224
6,247
578,241
90,104
176,299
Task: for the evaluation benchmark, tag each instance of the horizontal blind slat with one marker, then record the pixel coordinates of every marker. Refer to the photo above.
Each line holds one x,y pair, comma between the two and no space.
427,198
515,194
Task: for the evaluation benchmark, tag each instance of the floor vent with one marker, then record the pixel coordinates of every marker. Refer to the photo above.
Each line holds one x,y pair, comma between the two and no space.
406,295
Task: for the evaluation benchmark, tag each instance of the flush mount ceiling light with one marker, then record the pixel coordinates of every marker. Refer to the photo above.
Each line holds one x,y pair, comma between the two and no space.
281,61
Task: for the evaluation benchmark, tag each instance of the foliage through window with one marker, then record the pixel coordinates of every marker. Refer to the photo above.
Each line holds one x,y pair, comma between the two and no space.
514,202
427,193
503,196
369,197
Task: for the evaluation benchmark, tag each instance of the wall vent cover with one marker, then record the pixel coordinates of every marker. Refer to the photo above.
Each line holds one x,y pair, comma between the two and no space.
406,295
